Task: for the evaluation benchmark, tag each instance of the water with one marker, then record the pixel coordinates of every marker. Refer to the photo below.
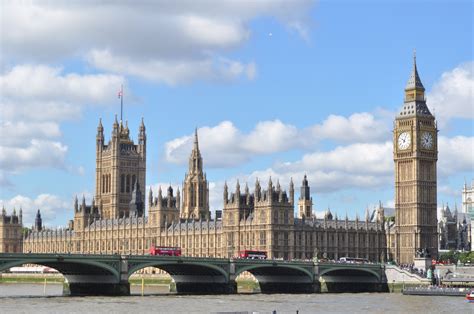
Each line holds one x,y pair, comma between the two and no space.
30,298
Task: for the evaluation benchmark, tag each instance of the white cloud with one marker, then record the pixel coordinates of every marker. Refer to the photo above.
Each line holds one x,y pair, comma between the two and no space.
19,133
358,127
44,93
456,155
165,41
224,145
35,99
49,205
173,72
452,96
38,154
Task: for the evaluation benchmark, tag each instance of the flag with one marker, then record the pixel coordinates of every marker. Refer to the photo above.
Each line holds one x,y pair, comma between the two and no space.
120,94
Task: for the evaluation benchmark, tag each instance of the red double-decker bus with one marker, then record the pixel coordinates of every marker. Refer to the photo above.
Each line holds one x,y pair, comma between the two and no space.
165,251
250,254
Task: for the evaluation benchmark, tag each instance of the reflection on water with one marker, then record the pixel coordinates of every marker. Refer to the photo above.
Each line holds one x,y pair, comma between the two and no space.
13,300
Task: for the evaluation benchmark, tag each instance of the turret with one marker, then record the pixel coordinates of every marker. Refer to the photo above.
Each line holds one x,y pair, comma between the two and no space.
160,196
115,128
100,135
142,134
292,192
136,207
38,221
150,197
76,204
258,190
178,199
20,218
170,196
328,214
226,193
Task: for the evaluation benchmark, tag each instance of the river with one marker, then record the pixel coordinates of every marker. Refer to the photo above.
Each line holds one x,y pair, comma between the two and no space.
32,298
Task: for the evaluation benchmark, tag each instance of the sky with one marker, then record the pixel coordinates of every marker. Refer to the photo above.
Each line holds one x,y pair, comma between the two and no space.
277,88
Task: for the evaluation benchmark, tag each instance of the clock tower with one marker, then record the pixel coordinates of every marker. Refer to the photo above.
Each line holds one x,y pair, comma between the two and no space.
415,153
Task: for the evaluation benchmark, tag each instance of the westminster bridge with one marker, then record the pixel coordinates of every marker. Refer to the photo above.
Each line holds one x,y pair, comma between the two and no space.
109,274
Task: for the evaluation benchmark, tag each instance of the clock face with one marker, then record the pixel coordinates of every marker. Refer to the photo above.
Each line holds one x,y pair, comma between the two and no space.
404,140
426,140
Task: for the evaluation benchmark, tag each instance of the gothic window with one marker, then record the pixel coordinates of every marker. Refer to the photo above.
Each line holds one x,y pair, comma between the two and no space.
275,217
103,183
128,184
122,183
191,194
285,217
201,197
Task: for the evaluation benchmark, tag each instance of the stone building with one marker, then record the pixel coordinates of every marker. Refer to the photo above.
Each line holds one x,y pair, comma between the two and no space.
454,230
262,220
468,209
10,232
415,153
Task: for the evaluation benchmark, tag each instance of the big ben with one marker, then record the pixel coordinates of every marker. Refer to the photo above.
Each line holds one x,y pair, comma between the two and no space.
415,153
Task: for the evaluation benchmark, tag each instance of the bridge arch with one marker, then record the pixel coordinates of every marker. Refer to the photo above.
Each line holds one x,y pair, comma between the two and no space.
66,267
258,268
191,276
350,271
351,279
280,278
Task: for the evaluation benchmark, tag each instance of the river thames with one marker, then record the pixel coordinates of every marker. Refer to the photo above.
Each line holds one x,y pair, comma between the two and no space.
32,298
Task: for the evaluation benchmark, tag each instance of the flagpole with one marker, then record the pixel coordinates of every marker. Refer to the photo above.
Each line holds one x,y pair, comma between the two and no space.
121,103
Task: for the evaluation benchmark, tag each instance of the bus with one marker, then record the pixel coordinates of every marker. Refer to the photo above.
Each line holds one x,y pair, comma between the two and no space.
249,254
353,260
165,251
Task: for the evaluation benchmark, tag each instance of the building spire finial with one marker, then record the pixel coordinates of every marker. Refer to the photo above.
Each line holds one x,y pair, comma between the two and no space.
196,140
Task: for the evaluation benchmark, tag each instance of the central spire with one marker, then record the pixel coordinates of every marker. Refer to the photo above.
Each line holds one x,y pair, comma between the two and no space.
196,140
414,82
414,102
195,160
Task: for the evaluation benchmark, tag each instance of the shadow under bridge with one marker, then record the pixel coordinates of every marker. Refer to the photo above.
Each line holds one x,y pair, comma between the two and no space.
280,277
352,279
191,275
84,274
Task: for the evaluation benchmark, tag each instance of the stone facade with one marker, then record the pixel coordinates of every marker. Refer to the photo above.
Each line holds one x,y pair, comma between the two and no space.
119,165
262,219
259,220
454,230
10,232
468,209
415,153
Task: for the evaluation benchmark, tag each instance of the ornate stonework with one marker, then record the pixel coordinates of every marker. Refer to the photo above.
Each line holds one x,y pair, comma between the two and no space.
415,153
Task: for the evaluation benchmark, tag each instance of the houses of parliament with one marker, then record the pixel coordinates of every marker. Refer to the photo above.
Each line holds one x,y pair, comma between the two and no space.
258,218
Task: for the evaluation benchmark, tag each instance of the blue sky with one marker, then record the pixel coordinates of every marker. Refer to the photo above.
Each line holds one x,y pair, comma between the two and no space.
277,88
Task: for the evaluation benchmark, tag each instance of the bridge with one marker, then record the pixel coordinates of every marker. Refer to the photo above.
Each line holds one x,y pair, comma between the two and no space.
109,274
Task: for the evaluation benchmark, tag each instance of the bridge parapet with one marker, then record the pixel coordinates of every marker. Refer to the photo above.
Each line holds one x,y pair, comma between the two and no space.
109,274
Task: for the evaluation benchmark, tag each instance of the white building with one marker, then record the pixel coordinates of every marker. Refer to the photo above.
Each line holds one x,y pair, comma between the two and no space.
468,207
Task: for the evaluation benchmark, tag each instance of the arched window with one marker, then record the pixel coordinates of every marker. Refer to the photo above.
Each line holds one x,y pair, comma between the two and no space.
191,192
134,178
128,183
122,183
103,183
